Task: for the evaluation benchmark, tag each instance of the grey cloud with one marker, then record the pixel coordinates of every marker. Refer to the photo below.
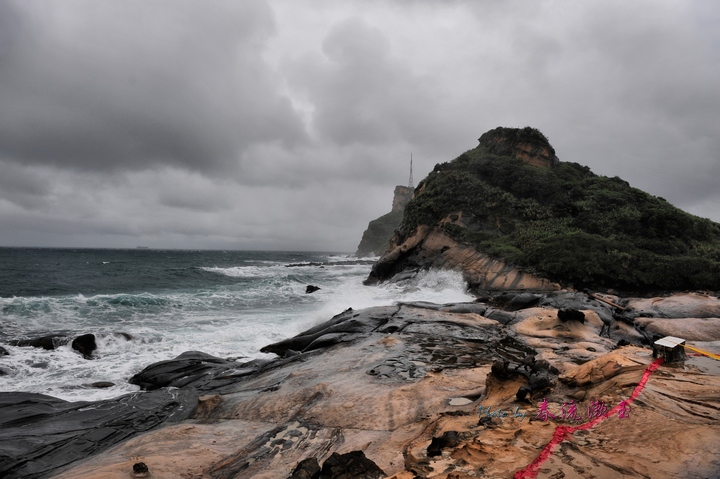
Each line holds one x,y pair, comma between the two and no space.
128,85
243,125
24,187
361,91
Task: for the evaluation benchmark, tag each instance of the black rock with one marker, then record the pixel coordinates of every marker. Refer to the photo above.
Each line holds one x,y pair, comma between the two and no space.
622,342
41,434
311,289
541,382
500,370
194,368
4,352
140,469
447,440
353,465
46,342
85,345
344,326
522,393
579,301
501,317
306,469
568,314
543,366
101,384
511,301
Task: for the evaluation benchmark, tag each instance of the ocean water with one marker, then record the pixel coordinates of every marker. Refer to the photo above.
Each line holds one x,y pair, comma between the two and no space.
147,305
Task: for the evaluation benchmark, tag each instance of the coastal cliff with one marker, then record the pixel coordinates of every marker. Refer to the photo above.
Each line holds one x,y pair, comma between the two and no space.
375,239
509,214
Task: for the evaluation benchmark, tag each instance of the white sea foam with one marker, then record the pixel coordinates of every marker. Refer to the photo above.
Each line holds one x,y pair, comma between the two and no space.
232,320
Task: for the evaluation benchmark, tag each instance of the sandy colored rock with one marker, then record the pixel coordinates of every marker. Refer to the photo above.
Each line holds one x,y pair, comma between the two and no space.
606,367
393,387
692,329
685,305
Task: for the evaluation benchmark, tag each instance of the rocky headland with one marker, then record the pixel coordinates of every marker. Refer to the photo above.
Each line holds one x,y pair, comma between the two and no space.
375,238
510,215
539,377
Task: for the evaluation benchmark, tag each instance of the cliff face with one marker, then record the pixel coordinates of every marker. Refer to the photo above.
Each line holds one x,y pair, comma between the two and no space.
434,248
375,239
527,144
509,214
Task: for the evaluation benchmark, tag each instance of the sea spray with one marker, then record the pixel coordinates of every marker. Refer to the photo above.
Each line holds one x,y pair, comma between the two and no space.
156,305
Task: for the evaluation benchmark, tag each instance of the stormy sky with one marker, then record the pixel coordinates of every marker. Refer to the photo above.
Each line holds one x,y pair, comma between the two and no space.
286,124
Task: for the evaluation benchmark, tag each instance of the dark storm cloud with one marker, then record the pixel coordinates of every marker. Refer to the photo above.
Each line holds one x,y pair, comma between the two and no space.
287,123
362,92
25,188
126,85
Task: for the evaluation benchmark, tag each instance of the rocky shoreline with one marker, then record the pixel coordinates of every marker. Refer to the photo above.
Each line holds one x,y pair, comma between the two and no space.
404,391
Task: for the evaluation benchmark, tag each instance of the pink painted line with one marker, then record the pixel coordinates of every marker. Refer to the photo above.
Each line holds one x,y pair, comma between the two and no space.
562,432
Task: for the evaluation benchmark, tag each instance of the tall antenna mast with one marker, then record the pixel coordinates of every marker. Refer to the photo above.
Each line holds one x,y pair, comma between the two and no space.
410,183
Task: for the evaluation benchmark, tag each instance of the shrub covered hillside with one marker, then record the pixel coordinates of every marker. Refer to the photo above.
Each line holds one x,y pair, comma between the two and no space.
564,222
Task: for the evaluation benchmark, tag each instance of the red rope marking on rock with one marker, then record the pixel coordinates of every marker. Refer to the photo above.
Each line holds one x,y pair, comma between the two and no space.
562,432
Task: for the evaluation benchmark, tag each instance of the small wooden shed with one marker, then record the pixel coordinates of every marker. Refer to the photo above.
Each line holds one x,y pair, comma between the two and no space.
670,348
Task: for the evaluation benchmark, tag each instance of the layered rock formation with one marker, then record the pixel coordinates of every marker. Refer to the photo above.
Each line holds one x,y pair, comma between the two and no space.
508,214
412,390
434,248
375,239
527,144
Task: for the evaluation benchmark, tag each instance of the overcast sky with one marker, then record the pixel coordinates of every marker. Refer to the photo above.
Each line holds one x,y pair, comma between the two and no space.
286,124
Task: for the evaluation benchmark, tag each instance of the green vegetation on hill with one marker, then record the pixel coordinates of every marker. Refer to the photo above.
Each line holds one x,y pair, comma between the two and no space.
567,223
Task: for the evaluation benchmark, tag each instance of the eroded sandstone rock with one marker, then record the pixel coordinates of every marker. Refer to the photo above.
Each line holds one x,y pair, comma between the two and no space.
404,375
432,248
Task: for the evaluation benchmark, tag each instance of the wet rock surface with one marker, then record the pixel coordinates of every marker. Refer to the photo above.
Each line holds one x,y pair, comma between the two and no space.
85,345
41,434
48,342
396,391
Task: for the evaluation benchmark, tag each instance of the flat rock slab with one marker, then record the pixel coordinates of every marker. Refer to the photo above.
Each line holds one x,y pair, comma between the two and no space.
39,434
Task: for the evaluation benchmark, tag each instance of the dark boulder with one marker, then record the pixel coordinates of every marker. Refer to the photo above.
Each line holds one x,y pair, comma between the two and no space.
522,393
311,289
4,352
343,327
541,382
353,465
569,314
449,439
49,342
41,434
500,369
199,370
101,385
514,301
85,345
140,469
306,469
579,301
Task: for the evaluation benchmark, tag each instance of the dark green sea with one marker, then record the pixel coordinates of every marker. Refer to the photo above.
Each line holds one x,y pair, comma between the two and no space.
225,303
